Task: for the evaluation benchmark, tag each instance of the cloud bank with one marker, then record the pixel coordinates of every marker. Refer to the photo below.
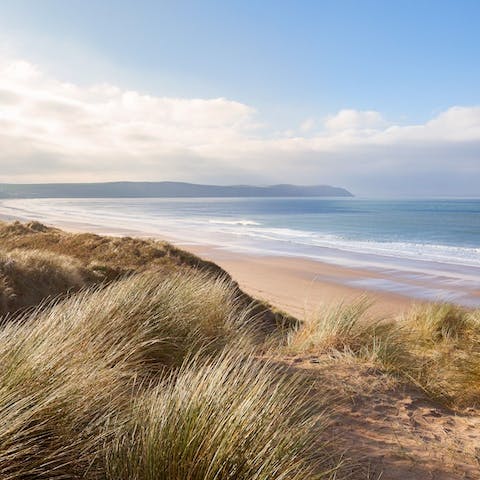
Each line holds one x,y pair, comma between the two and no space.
51,130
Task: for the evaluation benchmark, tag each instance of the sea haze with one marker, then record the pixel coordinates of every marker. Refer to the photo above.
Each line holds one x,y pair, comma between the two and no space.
427,248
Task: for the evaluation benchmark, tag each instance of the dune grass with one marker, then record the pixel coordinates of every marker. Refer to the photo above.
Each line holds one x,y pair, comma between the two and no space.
95,380
106,256
444,342
435,346
66,368
338,327
100,260
28,277
232,418
145,321
439,323
349,329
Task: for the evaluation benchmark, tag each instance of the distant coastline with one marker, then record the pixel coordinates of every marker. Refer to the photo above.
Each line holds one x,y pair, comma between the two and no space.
164,190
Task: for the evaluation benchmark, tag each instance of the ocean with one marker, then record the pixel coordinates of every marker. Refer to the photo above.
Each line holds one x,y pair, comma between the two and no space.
431,246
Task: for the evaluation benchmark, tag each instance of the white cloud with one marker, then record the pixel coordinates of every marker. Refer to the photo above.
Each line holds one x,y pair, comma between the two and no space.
307,125
58,131
348,119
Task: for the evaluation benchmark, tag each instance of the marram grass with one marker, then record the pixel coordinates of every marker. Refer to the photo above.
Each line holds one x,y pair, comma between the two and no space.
349,329
434,346
231,418
444,343
102,385
28,277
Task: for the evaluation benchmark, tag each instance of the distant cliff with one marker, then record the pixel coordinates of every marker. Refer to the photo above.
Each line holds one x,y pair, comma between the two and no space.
163,189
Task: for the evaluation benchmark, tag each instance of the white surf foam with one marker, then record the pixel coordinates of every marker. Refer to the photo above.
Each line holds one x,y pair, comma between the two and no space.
233,222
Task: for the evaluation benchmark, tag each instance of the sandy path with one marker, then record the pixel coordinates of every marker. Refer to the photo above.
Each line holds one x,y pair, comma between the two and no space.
393,431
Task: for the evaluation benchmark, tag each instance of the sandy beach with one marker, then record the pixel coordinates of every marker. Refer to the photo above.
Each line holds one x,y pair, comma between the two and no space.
299,286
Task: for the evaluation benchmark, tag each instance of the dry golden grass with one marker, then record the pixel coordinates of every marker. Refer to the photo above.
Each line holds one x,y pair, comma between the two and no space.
231,418
439,323
434,346
84,380
150,374
444,343
111,257
349,329
102,259
145,322
67,368
28,277
338,327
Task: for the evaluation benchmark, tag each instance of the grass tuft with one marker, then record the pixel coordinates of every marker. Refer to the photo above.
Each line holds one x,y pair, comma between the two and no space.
444,343
231,418
28,277
434,323
339,327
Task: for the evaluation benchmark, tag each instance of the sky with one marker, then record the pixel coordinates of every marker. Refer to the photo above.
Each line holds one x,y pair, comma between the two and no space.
380,97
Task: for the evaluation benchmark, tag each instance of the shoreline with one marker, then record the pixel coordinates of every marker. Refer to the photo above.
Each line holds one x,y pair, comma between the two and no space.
299,286
298,281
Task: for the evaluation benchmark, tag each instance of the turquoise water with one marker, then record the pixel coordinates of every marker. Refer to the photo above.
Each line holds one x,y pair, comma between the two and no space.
436,237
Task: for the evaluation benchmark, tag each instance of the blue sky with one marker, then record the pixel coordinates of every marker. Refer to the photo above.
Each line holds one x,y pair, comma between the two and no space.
295,64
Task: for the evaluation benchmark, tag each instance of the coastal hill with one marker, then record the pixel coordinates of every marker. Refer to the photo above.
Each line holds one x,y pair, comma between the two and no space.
164,189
